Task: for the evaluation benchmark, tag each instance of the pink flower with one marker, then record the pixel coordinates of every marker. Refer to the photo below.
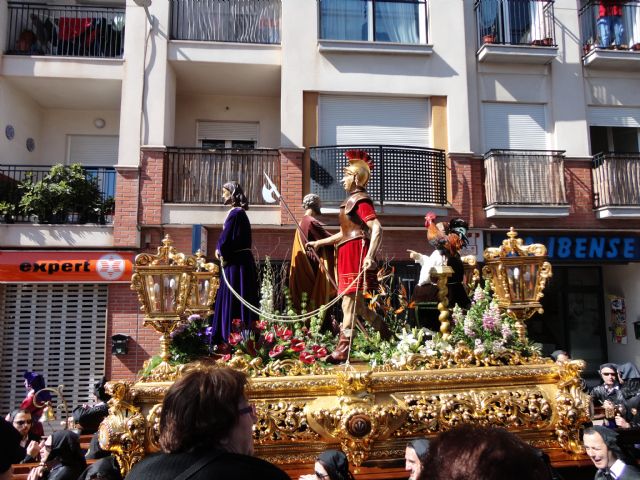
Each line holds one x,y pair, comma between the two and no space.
276,351
284,333
297,345
236,322
270,337
261,325
320,352
226,357
306,357
234,338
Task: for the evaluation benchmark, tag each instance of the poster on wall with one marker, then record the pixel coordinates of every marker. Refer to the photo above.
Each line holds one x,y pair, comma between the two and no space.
618,326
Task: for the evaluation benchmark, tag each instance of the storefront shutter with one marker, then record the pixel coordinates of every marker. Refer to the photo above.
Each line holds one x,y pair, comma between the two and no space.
353,120
56,330
514,126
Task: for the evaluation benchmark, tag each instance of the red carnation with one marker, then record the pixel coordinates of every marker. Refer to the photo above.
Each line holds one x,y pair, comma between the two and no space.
306,357
276,351
297,345
234,338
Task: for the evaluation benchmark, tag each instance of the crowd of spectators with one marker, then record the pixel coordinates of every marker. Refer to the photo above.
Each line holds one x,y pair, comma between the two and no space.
206,431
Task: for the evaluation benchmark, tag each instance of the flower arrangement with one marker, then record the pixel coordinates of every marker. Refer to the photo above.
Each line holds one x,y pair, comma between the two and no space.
483,331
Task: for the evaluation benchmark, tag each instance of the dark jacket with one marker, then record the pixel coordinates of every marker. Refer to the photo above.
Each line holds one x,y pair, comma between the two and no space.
89,418
225,466
65,450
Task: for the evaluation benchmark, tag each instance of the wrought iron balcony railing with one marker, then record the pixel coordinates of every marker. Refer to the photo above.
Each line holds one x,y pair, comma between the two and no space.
65,30
524,177
373,20
400,174
12,176
515,22
616,180
610,25
196,175
240,21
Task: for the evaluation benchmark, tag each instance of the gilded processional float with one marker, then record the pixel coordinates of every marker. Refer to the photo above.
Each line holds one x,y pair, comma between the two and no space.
479,367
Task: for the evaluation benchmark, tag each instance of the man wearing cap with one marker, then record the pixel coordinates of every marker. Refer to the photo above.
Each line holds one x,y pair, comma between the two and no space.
601,445
610,389
357,243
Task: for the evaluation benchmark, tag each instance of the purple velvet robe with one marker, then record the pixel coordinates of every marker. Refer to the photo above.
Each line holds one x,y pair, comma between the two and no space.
239,266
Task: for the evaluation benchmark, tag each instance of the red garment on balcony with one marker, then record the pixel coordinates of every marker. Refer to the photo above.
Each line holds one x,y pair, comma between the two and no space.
70,28
610,8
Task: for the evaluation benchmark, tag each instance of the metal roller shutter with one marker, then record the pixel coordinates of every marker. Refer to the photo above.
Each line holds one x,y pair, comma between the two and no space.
351,120
93,150
227,131
514,126
614,117
57,330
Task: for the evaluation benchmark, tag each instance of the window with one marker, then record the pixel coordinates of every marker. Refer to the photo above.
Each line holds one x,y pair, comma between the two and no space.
236,144
238,135
614,140
514,126
516,22
396,21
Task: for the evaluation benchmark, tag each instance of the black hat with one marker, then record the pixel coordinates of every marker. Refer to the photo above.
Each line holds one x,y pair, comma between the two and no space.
99,390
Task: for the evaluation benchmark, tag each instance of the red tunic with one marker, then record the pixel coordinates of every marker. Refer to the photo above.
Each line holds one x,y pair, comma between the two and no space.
351,255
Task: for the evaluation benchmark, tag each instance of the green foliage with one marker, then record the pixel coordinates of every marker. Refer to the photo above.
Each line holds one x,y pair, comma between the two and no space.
149,365
191,340
64,190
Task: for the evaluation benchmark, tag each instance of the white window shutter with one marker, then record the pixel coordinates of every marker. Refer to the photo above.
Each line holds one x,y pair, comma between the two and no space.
227,131
93,150
511,126
352,120
614,117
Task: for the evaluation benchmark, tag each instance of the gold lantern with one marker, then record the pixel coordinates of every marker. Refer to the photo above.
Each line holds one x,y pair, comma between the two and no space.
518,275
204,286
163,283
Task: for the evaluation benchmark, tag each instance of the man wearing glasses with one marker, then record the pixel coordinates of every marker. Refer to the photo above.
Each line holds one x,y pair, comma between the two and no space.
22,421
608,395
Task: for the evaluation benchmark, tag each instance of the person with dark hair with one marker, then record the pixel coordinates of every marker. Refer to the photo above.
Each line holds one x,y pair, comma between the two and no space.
34,382
629,379
306,275
61,457
206,432
234,251
89,417
10,451
330,465
415,456
469,452
601,445
29,441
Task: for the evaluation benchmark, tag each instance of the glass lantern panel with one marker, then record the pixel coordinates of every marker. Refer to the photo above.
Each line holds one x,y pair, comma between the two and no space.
529,281
169,292
514,279
152,286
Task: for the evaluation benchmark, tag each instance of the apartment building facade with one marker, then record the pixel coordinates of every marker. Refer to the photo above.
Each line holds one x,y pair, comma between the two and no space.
521,113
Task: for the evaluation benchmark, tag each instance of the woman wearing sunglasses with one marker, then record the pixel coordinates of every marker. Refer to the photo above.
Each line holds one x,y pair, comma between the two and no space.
22,421
330,465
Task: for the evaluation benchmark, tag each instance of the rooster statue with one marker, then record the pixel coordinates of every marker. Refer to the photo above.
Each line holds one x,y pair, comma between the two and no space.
448,239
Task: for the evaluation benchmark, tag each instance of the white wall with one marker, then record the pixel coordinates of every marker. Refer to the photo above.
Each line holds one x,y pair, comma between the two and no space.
624,281
58,124
191,108
24,114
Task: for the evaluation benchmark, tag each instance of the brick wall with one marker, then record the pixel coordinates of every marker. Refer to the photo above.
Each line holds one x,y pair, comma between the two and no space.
125,222
291,180
125,317
151,171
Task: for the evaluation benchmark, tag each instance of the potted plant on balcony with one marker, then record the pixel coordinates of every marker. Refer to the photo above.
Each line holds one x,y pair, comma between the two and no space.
64,190
8,211
490,36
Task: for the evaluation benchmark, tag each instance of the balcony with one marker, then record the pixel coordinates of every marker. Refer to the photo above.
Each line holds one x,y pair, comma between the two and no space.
376,26
193,179
402,179
525,183
65,30
515,31
238,21
611,35
54,214
616,185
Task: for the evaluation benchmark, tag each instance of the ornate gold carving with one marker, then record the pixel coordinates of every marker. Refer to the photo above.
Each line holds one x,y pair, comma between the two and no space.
515,409
153,428
282,420
572,405
123,431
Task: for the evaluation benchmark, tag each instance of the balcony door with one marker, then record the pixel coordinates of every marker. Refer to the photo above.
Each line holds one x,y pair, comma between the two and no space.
219,135
614,130
514,126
